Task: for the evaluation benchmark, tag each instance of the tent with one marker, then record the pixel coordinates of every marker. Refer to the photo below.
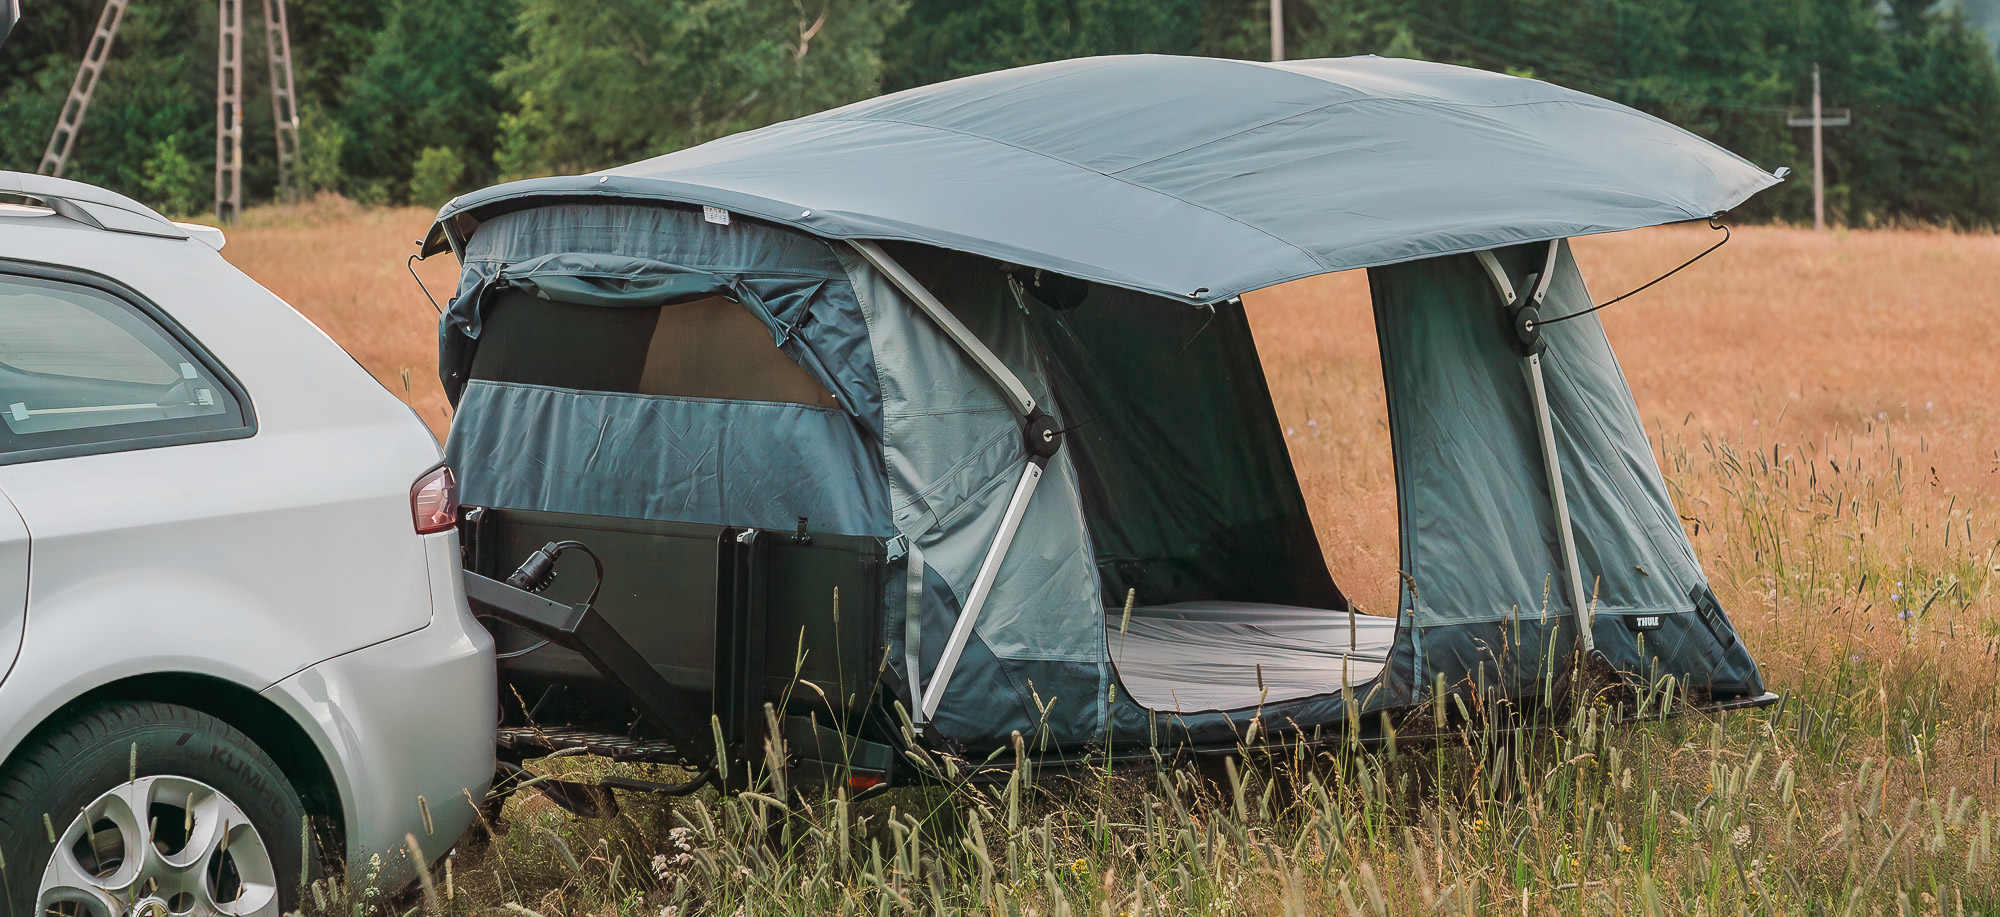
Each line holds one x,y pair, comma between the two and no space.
996,325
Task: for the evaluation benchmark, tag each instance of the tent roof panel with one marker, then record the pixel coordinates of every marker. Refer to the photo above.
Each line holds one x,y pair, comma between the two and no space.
1195,178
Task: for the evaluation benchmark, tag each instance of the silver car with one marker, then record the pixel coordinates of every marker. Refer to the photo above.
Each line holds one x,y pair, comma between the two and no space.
234,643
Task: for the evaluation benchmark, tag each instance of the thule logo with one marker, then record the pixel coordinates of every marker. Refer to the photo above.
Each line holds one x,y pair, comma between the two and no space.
1644,622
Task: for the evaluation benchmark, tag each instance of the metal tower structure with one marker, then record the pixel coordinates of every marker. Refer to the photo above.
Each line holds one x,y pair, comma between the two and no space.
284,104
229,111
228,99
81,89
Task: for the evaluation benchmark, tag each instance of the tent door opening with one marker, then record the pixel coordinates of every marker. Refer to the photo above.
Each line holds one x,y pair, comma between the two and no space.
1185,494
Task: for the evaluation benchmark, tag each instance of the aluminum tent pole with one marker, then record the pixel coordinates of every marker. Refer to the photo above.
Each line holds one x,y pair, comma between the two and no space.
1524,320
1040,438
982,585
1009,383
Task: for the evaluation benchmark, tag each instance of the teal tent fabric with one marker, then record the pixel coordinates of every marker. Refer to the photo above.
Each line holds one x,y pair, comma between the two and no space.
608,281
1479,535
1187,484
1478,531
1132,199
757,464
613,254
953,451
1173,482
1192,178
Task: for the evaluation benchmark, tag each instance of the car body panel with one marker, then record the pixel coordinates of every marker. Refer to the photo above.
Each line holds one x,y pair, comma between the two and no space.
372,708
277,550
13,583
216,549
285,561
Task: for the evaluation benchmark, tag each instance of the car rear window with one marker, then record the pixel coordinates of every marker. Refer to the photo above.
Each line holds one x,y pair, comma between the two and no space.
85,370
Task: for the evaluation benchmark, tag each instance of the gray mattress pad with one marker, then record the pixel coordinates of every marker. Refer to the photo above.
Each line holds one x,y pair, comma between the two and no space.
1217,655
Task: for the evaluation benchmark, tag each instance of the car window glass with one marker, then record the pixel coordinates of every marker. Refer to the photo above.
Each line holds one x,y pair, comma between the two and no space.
79,366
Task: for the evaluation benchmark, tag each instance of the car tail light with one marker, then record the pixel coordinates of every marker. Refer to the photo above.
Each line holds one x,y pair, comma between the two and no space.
434,501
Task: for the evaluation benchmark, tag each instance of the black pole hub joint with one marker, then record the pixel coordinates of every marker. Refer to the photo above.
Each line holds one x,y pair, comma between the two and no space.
1041,436
1526,320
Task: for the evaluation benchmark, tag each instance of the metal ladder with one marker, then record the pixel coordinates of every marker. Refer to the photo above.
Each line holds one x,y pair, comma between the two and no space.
63,141
284,103
229,111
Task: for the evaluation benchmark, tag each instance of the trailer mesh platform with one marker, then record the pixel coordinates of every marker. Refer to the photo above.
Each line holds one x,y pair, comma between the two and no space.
603,744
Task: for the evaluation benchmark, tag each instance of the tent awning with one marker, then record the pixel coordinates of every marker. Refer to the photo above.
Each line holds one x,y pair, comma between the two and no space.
1195,178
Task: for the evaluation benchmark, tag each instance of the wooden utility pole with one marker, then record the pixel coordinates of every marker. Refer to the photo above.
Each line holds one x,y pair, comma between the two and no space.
1277,30
284,104
1819,122
70,122
229,112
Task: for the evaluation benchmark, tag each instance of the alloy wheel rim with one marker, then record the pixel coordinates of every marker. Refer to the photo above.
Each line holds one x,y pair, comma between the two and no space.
161,846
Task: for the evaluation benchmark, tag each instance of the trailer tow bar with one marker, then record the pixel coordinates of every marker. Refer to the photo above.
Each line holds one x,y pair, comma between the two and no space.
581,629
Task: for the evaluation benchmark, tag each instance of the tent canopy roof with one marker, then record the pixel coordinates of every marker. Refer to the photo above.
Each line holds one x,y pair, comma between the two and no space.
1195,178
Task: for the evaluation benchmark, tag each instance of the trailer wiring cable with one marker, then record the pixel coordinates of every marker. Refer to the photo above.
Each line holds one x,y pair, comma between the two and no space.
1714,222
703,776
539,570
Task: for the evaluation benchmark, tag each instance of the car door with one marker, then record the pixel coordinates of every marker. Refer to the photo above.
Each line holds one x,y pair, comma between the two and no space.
13,583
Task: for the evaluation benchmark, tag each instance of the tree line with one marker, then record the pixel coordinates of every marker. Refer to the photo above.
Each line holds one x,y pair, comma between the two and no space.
416,100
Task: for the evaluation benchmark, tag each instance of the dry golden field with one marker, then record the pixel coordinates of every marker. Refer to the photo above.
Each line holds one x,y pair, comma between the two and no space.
1782,340
1826,408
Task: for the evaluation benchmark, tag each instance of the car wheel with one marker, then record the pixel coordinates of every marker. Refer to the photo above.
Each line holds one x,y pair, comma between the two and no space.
150,809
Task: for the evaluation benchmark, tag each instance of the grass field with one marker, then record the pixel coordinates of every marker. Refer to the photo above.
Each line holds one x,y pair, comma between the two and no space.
1827,412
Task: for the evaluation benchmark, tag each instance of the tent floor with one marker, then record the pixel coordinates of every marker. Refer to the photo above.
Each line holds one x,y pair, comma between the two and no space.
1193,657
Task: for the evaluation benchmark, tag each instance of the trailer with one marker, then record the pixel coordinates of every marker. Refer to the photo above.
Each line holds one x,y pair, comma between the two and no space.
933,425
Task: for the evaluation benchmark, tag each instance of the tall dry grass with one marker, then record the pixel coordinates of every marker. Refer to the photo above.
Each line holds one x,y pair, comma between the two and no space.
1823,408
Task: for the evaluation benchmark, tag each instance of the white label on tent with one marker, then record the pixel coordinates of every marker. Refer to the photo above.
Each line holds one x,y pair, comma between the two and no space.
715,215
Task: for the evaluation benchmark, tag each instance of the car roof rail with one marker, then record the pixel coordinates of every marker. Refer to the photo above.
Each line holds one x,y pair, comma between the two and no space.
101,209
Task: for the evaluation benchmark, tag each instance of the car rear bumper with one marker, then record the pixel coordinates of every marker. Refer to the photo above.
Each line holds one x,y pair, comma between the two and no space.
406,726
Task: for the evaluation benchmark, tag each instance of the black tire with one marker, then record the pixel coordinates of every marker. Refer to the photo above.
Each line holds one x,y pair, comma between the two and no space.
66,766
